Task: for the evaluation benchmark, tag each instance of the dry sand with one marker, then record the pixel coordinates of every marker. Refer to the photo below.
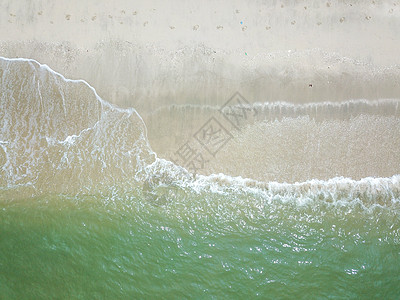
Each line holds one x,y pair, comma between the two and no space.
152,53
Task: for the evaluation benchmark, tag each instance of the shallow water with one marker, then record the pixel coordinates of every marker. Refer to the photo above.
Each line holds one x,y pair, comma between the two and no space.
197,245
88,210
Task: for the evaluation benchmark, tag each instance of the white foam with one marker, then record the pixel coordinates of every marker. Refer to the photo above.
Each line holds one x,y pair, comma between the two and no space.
158,172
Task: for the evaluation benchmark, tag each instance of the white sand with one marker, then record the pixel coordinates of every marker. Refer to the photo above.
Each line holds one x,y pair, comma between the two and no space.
153,54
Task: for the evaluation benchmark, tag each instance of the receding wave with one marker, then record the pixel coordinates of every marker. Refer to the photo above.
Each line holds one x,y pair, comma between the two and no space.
58,136
287,142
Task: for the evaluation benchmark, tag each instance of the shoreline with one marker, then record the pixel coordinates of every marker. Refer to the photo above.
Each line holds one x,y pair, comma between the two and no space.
148,54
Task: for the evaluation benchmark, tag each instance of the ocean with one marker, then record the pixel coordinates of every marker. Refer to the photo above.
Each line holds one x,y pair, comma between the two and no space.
301,201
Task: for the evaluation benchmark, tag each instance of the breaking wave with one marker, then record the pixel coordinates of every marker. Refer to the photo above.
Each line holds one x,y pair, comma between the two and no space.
58,136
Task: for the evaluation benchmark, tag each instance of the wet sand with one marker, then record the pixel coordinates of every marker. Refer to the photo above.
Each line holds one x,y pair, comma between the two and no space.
157,56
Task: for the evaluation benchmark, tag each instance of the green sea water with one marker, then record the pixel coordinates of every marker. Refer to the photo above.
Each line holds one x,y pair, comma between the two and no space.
207,245
88,210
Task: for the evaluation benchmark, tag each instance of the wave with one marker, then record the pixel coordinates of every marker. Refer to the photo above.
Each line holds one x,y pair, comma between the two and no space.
58,136
271,111
368,192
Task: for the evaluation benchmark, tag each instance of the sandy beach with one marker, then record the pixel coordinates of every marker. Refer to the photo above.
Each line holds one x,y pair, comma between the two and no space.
151,53
170,60
198,149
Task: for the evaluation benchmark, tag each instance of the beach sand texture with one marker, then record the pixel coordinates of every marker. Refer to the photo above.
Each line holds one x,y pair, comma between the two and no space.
178,62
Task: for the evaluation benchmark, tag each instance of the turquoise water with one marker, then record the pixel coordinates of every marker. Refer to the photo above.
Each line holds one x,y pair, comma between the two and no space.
88,211
197,246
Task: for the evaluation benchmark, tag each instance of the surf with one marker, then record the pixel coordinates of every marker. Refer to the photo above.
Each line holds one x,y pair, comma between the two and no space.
87,207
59,136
